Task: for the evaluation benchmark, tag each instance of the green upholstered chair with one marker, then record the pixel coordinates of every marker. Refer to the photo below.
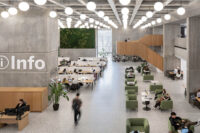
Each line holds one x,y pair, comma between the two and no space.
130,92
172,129
131,101
148,77
166,105
128,77
139,124
135,88
154,87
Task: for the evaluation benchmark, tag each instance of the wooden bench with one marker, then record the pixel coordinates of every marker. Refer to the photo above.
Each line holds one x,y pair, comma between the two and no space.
5,119
36,97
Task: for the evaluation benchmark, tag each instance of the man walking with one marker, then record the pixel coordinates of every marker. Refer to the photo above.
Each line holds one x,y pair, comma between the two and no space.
76,105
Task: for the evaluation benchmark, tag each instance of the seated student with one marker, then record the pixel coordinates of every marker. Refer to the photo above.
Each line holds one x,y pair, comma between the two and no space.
163,92
135,132
19,106
198,93
178,74
165,97
178,123
130,75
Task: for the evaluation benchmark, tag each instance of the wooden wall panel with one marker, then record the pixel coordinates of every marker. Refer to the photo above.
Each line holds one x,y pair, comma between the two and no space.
139,49
37,97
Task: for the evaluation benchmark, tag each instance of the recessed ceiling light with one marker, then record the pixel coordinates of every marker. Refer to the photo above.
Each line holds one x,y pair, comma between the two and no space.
125,10
167,16
82,16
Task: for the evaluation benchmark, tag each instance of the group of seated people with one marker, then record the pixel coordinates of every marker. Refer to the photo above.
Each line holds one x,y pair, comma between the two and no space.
71,84
161,96
175,74
182,124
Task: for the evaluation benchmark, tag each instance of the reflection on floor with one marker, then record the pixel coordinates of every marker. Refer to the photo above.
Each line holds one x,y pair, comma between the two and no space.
104,109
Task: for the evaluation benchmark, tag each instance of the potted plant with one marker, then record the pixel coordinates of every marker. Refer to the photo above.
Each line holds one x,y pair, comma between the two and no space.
56,92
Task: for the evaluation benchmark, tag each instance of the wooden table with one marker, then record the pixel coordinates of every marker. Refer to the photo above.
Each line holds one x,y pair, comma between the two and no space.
5,119
36,97
198,99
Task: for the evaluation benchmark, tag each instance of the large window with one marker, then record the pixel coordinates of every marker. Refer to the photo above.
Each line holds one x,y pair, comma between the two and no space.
104,42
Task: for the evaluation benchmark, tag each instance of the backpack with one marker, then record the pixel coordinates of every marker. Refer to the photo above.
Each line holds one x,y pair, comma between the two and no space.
75,105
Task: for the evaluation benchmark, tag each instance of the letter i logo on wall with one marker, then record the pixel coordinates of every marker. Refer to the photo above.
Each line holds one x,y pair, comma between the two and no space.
4,62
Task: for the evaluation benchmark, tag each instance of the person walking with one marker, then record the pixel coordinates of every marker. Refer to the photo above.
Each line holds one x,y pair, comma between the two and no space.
76,105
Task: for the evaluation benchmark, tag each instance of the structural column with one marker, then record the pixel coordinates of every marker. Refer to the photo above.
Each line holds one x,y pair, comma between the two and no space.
193,57
28,49
170,32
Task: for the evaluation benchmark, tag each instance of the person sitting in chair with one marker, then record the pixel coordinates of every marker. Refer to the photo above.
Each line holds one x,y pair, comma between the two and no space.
178,74
163,92
165,97
19,106
178,123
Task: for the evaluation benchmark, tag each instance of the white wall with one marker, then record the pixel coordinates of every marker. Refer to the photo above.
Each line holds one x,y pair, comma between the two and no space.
75,53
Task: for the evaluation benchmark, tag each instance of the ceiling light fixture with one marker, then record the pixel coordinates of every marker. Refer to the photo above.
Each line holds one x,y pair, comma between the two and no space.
23,6
82,16
125,10
167,16
91,6
144,19
52,14
12,11
159,20
181,11
158,6
68,11
149,14
124,2
4,14
101,14
40,2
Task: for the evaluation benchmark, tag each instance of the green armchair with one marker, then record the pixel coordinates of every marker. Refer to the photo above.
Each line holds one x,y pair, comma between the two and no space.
140,124
130,92
131,101
155,87
148,77
135,88
128,77
166,105
172,129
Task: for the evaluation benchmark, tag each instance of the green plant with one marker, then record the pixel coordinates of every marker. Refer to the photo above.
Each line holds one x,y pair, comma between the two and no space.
56,92
139,69
103,53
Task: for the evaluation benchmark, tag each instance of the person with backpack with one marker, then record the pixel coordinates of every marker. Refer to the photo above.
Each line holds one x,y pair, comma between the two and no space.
76,105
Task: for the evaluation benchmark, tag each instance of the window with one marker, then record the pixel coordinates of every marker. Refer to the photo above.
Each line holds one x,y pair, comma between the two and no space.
104,42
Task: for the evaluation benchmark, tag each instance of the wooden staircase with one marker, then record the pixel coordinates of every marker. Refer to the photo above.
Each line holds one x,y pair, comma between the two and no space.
141,48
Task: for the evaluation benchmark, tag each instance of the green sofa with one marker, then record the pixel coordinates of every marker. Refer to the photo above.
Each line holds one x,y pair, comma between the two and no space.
166,105
130,92
135,88
172,129
131,101
140,124
148,77
155,87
